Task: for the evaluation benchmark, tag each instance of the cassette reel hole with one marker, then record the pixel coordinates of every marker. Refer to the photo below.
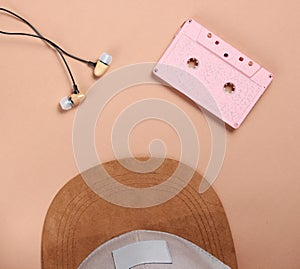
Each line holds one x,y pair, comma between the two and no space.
229,87
193,63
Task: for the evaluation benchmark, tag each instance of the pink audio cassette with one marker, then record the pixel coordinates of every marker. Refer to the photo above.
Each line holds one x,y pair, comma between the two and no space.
212,73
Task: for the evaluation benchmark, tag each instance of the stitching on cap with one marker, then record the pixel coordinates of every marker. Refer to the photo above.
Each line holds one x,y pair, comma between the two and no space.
184,201
76,217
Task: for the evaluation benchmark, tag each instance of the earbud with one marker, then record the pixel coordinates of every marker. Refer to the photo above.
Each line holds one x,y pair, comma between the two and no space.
102,64
76,98
71,101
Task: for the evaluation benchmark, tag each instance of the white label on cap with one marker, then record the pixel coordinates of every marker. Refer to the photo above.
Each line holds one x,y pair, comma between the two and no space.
143,252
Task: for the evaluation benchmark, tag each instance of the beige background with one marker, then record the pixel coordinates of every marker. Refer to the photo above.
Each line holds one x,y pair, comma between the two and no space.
259,183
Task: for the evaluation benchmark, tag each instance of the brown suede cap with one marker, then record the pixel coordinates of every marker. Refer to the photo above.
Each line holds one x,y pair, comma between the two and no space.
79,220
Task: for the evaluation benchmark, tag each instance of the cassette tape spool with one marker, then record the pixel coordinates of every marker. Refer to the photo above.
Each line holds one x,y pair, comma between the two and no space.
233,82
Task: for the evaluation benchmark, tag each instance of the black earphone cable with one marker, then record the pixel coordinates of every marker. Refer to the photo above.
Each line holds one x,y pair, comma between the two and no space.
90,63
75,88
48,41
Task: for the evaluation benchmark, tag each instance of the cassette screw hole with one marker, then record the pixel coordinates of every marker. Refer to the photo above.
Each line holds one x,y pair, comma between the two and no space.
209,35
193,63
226,55
241,59
217,42
229,87
250,63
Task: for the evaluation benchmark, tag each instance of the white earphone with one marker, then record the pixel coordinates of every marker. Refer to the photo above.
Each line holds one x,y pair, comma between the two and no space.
100,67
66,103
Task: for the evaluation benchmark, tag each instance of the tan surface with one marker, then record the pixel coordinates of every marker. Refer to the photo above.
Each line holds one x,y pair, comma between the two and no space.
259,182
